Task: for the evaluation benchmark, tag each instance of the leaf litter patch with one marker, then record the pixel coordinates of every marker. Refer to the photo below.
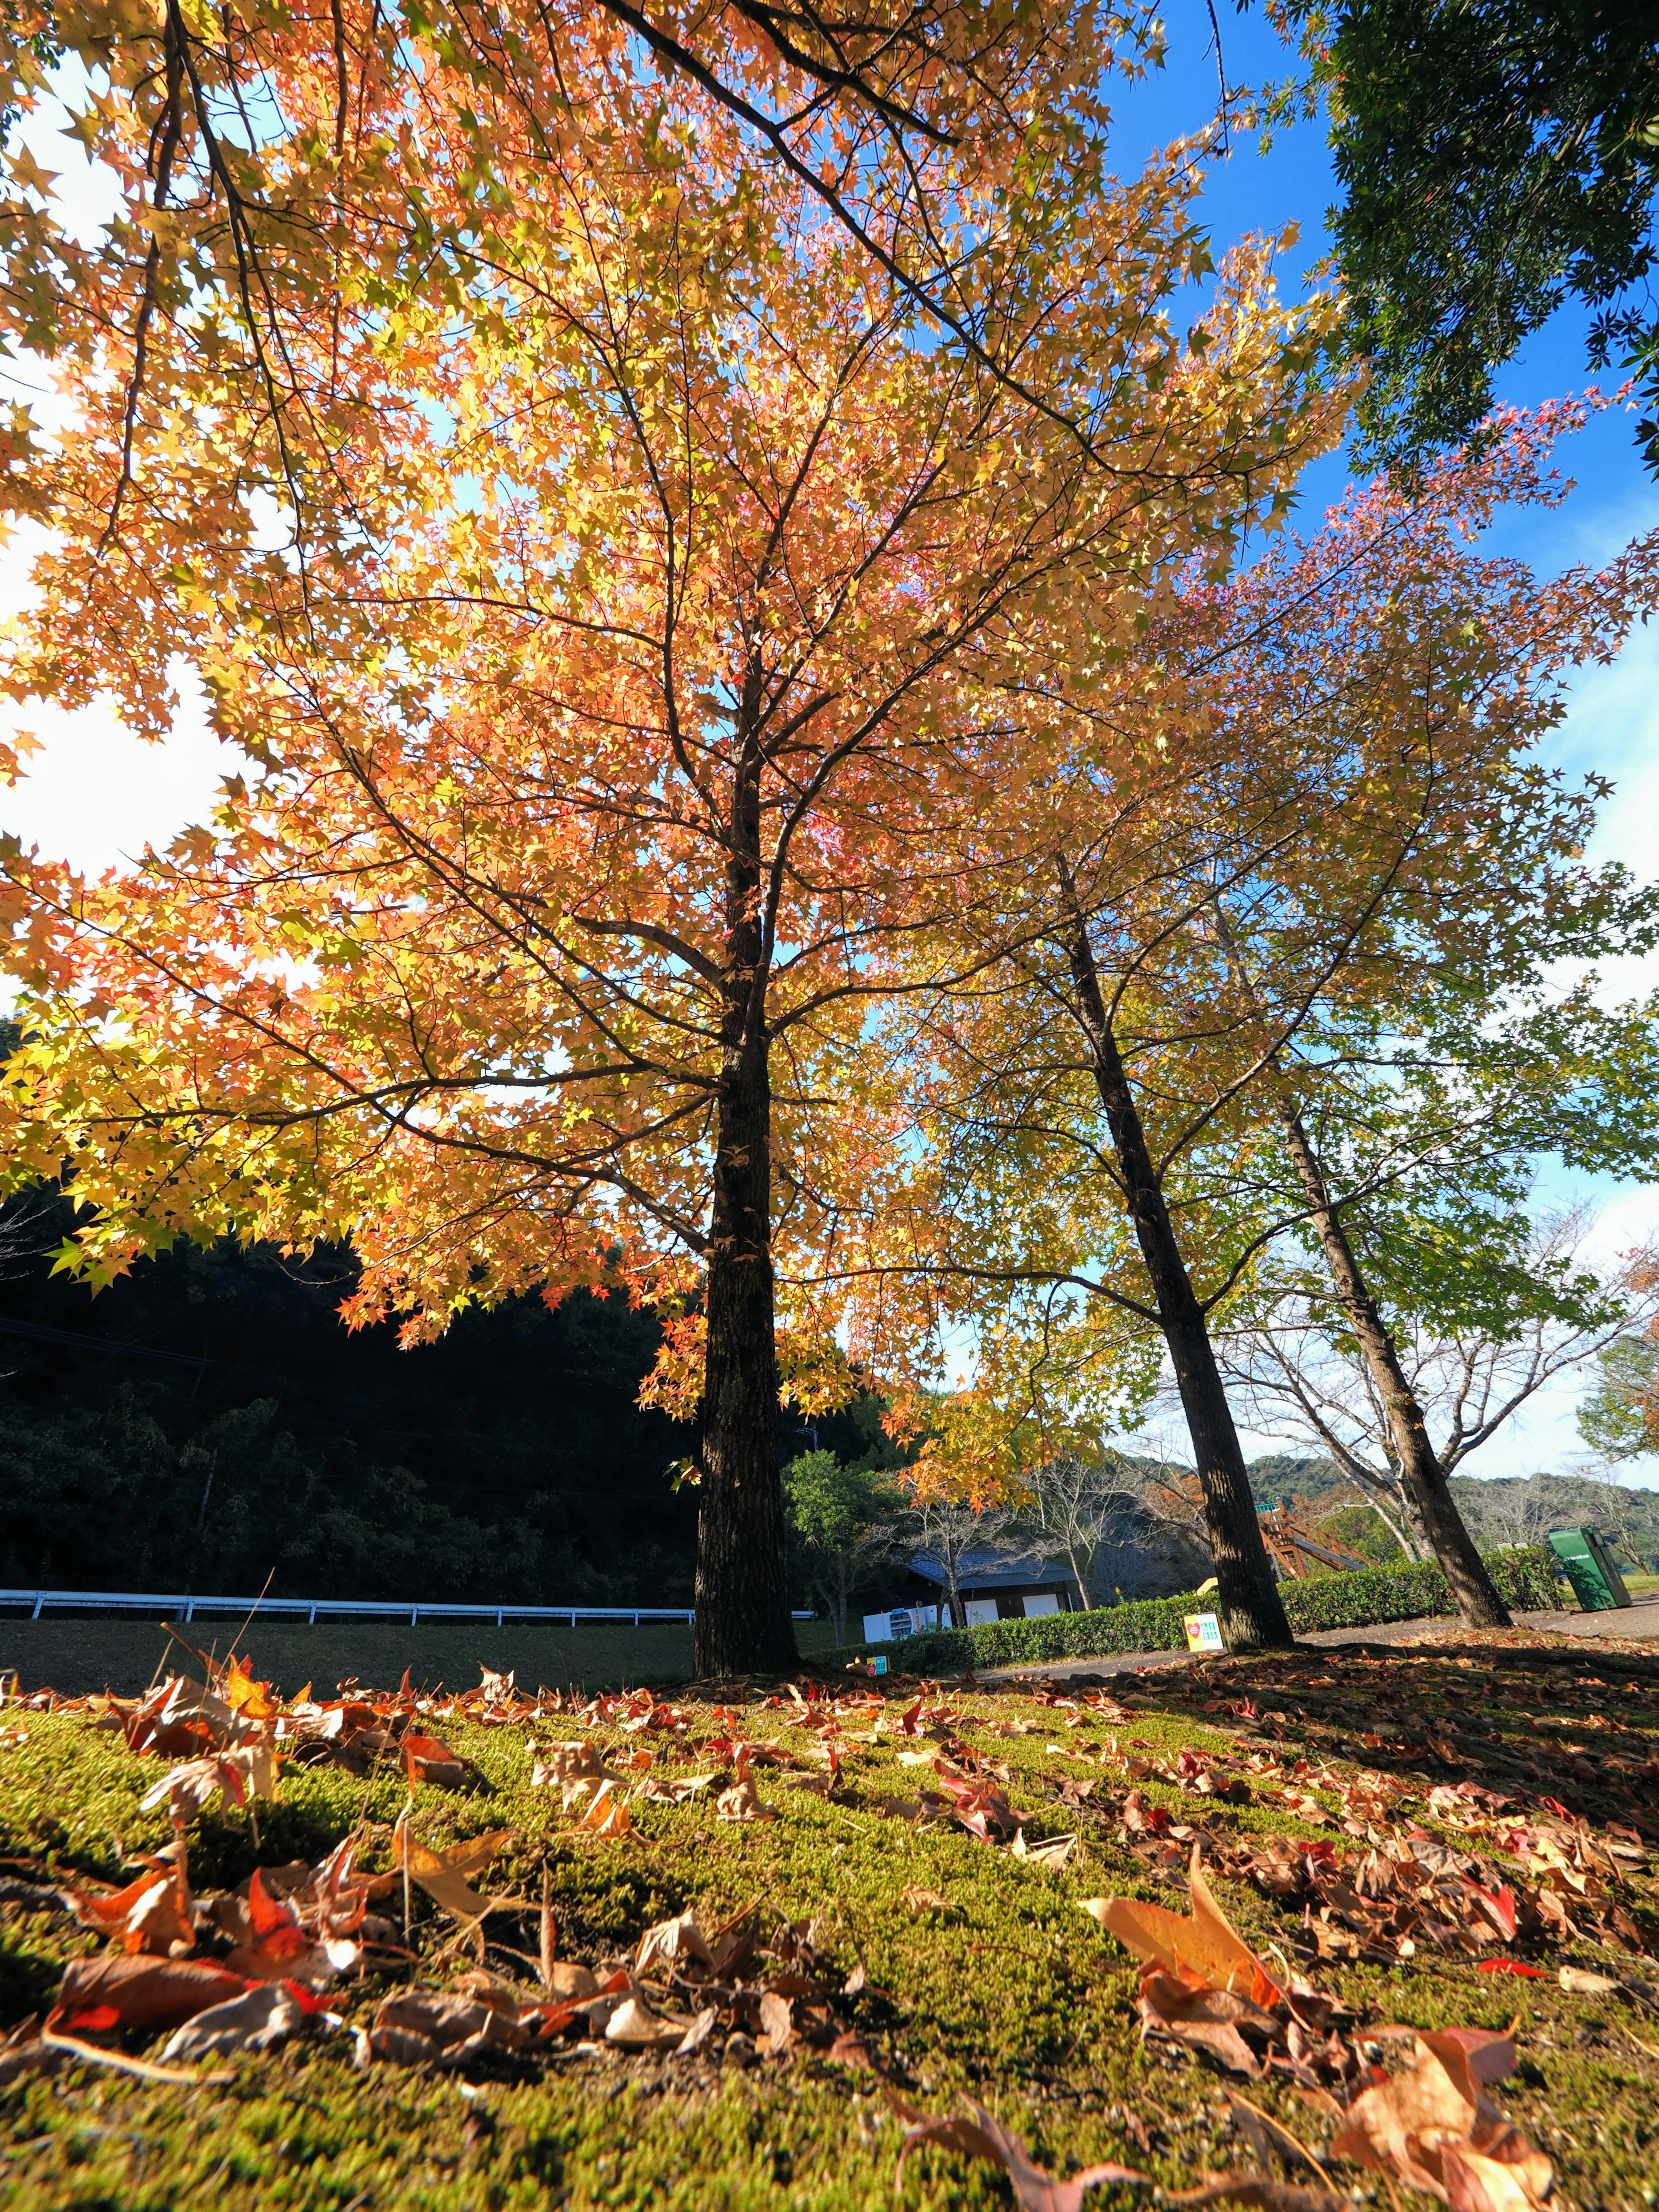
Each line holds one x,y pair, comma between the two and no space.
1403,1872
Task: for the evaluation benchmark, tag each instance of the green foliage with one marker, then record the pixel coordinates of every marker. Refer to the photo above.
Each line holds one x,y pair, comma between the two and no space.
1362,1530
510,1461
1525,1580
841,1522
830,1504
1495,156
1621,1416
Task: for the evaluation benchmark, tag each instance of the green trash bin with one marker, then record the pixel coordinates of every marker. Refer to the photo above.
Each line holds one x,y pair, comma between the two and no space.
1588,1566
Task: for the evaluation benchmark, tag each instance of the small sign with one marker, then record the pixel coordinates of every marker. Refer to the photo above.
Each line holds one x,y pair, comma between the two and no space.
879,1665
1203,1632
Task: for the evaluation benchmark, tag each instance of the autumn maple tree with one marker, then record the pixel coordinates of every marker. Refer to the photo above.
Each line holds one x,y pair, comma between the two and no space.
609,573
1333,837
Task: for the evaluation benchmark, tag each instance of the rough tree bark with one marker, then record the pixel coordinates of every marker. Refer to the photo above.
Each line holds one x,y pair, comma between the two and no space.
1250,1608
1432,1505
742,1623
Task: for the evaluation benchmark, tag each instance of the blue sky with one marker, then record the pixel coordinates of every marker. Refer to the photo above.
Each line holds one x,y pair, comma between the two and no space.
96,794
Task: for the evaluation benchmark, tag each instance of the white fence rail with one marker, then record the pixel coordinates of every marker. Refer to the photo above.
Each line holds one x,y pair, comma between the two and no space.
186,1607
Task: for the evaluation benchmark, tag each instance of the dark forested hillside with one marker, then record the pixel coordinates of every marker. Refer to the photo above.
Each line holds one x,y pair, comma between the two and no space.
211,1423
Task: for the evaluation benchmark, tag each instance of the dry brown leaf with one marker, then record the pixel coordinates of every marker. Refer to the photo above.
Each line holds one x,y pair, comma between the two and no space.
442,1874
1051,1851
1583,1983
151,1915
742,1800
428,1760
698,2033
100,1994
636,2028
672,1943
608,1815
259,2019
1209,2018
777,2024
573,1768
922,1900
431,2028
978,2134
1434,2128
247,1770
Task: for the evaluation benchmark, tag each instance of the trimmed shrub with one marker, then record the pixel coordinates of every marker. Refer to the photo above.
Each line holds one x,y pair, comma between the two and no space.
1362,1599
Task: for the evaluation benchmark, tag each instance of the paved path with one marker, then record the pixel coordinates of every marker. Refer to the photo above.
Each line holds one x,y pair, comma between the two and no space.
1639,1620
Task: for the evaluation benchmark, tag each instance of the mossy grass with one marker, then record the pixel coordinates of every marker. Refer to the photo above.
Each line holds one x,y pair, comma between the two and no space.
1011,1994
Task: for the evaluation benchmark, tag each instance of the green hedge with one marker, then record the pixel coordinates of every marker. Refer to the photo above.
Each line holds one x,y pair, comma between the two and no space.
1525,1580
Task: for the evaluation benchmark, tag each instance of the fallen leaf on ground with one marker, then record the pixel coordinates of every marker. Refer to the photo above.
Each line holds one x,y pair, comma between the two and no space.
699,2032
925,1900
571,1983
1051,1851
1205,1951
1584,1984
672,1943
442,1874
100,1994
608,1815
1209,2018
573,1768
1434,2128
742,1801
235,1775
259,2019
428,1760
977,2135
244,1695
430,2027
279,1942
777,2020
149,1915
635,2026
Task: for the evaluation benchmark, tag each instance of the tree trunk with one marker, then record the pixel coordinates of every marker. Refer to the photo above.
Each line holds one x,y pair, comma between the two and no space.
1250,1608
742,1623
1434,1508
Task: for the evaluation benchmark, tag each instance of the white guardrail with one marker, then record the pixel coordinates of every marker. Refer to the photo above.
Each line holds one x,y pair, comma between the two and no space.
335,1608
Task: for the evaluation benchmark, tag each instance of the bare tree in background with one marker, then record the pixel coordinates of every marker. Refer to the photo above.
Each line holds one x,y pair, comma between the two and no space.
1517,1513
1296,1378
949,1529
1078,1507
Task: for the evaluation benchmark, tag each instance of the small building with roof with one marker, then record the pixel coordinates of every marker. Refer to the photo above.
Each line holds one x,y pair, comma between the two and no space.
993,1586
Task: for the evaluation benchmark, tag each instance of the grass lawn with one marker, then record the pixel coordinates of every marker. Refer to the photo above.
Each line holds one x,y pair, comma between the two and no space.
1006,1992
76,1654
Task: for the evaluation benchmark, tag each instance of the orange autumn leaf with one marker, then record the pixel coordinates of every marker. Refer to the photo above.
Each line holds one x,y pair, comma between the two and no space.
150,1914
244,1695
1203,1950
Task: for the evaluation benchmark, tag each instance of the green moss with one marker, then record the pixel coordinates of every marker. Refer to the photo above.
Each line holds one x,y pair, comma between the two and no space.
1014,1996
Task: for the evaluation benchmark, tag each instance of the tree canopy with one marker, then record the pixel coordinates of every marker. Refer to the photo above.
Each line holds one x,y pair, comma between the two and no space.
1496,157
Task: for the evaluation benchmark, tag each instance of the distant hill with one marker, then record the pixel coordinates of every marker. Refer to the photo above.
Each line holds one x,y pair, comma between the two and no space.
1282,1475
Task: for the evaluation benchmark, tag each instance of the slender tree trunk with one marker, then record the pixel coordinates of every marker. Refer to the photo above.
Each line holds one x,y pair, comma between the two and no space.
1435,1509
1250,1608
742,1624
